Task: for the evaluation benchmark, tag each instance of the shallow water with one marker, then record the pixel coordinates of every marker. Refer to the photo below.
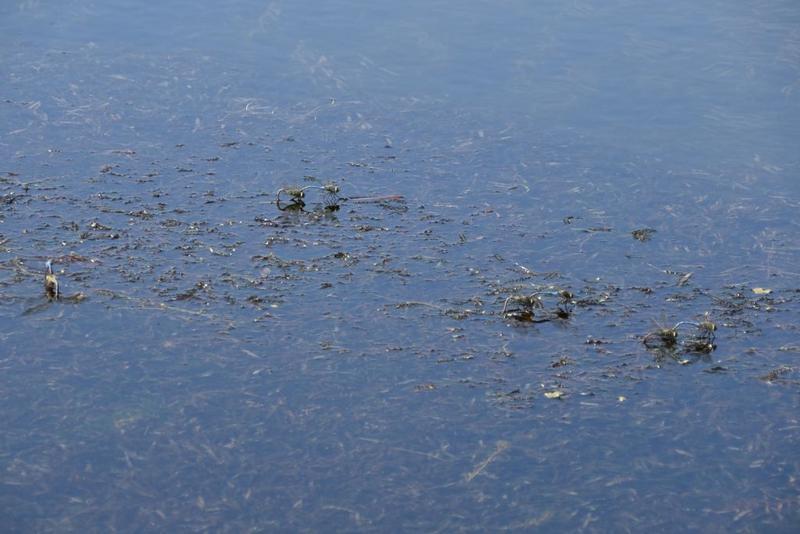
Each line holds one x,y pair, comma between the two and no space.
217,363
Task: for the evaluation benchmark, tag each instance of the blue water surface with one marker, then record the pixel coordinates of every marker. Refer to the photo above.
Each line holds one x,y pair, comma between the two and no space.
215,363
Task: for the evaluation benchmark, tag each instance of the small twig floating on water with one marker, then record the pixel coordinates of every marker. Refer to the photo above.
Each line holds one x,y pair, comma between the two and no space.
381,198
501,446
